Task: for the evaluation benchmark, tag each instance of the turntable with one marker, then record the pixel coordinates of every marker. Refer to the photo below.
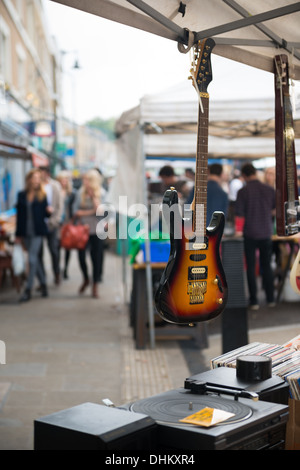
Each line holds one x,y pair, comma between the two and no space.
242,421
247,418
255,425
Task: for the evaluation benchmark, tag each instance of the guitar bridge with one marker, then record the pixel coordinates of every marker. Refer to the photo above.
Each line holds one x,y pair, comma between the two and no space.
292,218
196,291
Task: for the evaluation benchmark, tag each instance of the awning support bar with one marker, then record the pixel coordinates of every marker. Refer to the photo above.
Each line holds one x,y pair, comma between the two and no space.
183,34
264,29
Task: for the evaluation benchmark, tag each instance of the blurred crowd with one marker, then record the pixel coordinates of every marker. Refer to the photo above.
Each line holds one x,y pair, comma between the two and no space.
43,207
246,196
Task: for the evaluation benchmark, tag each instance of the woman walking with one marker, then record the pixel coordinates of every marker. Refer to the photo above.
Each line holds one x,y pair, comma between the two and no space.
68,194
87,201
32,210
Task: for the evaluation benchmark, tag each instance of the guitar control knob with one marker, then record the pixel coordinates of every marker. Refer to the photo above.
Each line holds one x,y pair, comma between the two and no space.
217,282
220,301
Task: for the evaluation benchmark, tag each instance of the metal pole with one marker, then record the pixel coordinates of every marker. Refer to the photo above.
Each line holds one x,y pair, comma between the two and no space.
163,20
149,286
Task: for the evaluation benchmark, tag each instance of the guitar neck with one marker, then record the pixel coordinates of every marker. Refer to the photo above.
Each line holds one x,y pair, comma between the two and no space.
200,192
286,173
292,190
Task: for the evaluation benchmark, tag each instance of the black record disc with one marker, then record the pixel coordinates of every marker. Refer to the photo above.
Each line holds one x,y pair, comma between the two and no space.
171,407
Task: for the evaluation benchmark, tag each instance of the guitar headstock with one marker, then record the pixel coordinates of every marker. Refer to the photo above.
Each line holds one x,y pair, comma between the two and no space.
281,70
202,70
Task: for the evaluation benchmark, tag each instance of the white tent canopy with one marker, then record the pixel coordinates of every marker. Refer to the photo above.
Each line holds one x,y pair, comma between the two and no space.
241,119
164,126
248,31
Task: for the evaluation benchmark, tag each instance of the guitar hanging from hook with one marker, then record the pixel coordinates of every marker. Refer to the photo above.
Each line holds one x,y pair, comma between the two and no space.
193,287
287,200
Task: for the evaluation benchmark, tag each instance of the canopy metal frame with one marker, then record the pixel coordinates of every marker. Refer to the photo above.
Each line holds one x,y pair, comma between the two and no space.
247,20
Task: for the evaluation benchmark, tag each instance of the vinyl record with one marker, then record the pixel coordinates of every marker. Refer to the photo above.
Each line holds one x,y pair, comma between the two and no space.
171,407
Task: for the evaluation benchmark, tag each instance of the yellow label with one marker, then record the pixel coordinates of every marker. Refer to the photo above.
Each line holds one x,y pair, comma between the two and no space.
207,417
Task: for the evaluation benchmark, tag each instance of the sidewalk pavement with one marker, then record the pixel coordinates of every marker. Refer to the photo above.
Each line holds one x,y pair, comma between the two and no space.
69,349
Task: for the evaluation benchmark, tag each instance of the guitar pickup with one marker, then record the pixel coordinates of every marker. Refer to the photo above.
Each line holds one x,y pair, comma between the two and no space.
197,257
197,273
201,244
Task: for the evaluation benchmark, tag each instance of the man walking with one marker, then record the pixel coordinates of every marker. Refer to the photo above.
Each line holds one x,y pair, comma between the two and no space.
55,200
256,204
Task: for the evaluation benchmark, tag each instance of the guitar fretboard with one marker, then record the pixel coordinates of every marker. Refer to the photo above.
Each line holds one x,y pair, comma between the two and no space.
286,172
200,198
290,160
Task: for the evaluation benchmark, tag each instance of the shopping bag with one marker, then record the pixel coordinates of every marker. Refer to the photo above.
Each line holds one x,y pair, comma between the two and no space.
74,236
18,260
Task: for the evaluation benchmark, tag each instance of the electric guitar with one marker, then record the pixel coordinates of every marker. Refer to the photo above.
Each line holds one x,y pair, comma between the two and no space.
295,274
193,287
287,203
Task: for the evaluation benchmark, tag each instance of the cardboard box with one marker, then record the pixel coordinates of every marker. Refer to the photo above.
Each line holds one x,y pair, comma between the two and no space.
293,426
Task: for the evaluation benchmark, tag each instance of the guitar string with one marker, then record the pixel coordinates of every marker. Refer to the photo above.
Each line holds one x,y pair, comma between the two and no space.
200,200
201,182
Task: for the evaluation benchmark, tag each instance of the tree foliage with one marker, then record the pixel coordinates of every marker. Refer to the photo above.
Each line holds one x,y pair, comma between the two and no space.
107,126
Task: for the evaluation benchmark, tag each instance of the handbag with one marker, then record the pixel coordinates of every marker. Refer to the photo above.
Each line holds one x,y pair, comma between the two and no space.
74,236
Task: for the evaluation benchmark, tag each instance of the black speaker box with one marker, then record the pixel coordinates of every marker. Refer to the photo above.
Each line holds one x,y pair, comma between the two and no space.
91,426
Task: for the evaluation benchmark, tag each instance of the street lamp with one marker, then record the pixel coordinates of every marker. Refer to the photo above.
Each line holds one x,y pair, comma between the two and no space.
75,66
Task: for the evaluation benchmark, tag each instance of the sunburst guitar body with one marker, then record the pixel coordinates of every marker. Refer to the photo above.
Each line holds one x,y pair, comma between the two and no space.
193,286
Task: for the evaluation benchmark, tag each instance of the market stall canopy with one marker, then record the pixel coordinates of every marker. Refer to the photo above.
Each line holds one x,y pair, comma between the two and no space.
164,128
248,31
240,126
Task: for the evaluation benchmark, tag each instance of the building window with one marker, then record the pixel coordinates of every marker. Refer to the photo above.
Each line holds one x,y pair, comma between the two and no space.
5,52
19,6
30,20
21,72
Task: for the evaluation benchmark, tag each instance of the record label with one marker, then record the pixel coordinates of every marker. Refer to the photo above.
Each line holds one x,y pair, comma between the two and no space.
207,417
